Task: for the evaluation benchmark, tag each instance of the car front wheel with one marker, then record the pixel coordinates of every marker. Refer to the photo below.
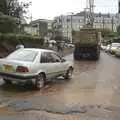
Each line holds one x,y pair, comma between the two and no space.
69,73
40,81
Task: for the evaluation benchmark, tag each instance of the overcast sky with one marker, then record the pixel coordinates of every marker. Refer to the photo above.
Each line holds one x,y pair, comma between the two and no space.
48,9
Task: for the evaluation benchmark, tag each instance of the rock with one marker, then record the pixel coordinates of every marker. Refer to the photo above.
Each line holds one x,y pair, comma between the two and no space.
19,104
77,108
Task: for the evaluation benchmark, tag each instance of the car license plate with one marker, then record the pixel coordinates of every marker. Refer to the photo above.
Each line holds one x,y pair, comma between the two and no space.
8,68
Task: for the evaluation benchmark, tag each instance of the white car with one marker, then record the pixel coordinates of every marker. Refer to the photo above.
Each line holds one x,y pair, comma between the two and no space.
70,45
108,48
103,47
34,65
114,47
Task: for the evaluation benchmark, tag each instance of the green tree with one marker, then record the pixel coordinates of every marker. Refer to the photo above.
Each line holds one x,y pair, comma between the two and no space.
58,38
3,6
14,8
7,24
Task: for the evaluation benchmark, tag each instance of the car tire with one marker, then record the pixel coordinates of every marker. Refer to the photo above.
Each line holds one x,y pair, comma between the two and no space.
69,72
7,81
40,81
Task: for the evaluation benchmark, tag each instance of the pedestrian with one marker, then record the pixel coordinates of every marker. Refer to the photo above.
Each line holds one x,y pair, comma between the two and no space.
60,49
20,46
50,46
58,46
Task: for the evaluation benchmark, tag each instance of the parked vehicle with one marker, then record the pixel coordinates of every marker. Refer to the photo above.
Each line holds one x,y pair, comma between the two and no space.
70,45
117,52
20,46
34,65
114,47
108,48
103,47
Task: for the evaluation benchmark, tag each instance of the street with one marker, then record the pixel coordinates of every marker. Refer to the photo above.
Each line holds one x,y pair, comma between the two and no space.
92,94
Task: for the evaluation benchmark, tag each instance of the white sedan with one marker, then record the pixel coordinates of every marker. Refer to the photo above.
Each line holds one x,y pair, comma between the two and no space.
34,65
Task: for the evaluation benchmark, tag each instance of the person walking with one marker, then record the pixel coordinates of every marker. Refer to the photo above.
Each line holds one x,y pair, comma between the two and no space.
60,48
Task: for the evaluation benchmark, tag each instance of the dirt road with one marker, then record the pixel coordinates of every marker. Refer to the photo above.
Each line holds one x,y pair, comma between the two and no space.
93,93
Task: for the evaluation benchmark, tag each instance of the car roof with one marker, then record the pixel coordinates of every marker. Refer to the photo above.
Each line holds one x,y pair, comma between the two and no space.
38,50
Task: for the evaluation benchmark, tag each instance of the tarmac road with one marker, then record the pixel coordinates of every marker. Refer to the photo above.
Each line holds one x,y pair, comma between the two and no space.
94,93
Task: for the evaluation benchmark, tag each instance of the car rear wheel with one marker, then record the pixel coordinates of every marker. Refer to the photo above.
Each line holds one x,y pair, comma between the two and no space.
40,81
7,81
69,73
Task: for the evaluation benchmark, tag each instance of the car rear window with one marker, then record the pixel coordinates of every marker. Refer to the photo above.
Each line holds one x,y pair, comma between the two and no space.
23,55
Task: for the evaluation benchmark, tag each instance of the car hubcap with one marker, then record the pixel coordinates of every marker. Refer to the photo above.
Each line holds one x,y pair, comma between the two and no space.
40,81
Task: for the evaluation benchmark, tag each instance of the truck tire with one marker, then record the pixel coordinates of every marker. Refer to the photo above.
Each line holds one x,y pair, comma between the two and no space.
97,56
75,56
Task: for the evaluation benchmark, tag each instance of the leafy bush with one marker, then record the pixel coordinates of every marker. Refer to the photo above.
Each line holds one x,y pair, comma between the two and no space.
7,24
11,40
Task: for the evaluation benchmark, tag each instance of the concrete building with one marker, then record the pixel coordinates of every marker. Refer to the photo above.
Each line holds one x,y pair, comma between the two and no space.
68,23
41,26
31,30
108,21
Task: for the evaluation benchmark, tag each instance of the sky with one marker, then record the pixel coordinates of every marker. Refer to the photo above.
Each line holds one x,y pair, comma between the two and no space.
48,9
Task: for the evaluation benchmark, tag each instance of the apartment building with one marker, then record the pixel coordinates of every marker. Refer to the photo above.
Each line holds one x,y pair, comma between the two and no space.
75,22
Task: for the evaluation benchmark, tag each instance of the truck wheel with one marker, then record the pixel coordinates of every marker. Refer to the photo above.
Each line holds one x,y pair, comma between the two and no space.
76,56
7,81
97,57
40,81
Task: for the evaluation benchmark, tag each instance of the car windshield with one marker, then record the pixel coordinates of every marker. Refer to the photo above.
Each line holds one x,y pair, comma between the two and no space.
23,55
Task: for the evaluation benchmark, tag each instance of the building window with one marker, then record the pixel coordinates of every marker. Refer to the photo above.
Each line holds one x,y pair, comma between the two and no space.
68,20
95,21
81,21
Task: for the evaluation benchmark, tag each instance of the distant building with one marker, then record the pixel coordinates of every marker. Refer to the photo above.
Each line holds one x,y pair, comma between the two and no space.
30,30
75,22
42,26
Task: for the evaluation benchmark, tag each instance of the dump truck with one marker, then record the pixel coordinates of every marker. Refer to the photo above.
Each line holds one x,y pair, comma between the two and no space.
87,43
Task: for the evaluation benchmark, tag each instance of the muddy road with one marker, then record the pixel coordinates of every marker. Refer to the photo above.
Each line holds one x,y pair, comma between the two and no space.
95,84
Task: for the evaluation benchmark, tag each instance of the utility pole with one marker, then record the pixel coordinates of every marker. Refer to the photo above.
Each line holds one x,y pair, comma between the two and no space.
62,25
103,22
89,13
67,27
112,21
118,27
71,26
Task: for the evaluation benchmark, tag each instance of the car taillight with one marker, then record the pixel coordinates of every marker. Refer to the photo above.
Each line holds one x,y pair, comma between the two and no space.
22,69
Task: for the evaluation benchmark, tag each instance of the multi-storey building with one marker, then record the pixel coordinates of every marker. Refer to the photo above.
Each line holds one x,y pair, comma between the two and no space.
72,22
41,26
